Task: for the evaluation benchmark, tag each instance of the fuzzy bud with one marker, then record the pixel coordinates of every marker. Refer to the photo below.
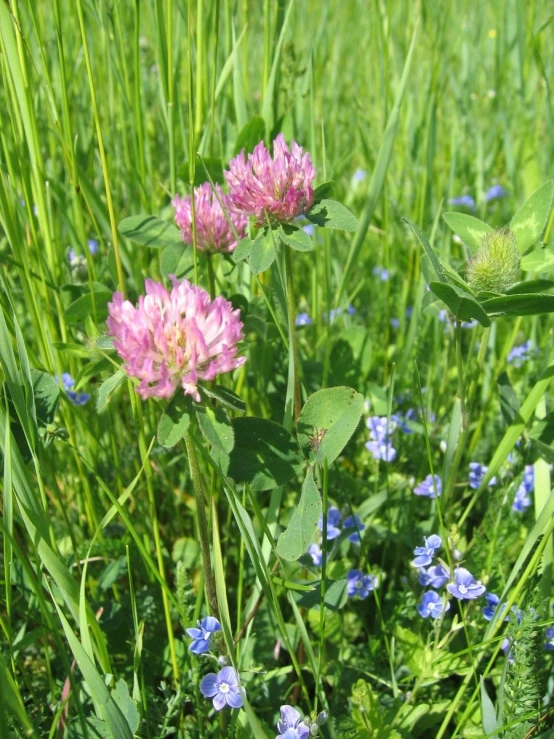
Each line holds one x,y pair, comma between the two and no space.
495,266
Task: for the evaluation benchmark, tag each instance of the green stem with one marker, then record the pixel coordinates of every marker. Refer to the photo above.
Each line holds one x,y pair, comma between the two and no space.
211,276
461,388
202,523
291,310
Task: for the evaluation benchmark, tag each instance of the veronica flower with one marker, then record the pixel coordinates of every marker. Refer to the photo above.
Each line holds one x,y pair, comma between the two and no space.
465,586
549,635
309,229
519,354
436,576
477,473
93,246
175,338
522,499
202,636
291,725
380,444
494,192
76,398
465,200
279,187
490,609
359,175
432,605
381,273
303,319
334,519
394,322
213,232
315,552
425,554
336,312
427,487
224,688
354,522
359,584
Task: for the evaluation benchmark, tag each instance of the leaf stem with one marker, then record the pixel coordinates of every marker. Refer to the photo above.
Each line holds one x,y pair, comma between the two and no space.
291,310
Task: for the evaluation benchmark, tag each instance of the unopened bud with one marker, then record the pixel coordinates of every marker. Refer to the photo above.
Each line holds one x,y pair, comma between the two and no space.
495,266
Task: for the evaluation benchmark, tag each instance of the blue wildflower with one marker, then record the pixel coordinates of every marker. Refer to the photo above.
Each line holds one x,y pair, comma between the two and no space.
436,576
490,609
303,319
224,688
309,229
432,605
427,487
464,200
354,522
394,322
465,586
359,175
380,444
76,398
93,246
381,273
334,519
359,584
425,554
519,354
495,192
291,725
549,635
315,552
477,473
202,636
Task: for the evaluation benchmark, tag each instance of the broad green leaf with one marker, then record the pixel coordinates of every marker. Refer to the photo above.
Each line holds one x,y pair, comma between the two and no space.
461,304
530,286
325,190
294,542
91,303
177,259
471,230
265,454
107,388
428,249
519,305
46,391
214,165
150,231
330,214
509,404
336,595
175,420
226,397
216,427
530,220
243,249
262,254
295,237
250,135
327,421
539,260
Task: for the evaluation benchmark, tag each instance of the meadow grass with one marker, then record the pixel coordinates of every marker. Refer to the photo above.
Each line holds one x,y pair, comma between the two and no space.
109,109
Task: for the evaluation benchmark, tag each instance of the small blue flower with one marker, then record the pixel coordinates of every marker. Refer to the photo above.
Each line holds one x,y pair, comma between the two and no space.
464,200
432,605
490,609
549,643
477,473
76,398
359,175
315,552
359,584
334,519
380,444
381,273
494,192
291,725
394,322
224,688
506,647
354,522
202,636
303,319
336,312
519,354
93,246
522,499
381,450
465,586
425,554
427,487
436,576
309,229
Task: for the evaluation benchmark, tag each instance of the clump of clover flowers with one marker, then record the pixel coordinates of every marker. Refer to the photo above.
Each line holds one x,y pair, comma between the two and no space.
175,338
277,187
494,267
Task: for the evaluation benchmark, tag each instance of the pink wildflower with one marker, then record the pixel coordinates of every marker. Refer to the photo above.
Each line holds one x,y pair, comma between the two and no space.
175,338
213,232
280,186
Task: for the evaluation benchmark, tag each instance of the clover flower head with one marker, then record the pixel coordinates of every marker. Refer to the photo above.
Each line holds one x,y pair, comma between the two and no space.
202,636
432,605
176,337
464,200
360,584
278,187
354,522
427,487
75,398
223,687
334,519
465,586
290,725
213,232
494,192
477,472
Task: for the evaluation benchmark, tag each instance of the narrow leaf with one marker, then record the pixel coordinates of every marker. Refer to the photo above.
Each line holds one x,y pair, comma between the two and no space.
294,542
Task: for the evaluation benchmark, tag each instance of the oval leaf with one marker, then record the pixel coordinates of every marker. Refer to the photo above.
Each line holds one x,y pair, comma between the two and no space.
327,421
174,421
471,230
94,303
460,303
251,134
531,304
150,231
107,388
294,542
530,220
263,252
226,397
330,214
295,237
176,259
243,249
216,427
539,260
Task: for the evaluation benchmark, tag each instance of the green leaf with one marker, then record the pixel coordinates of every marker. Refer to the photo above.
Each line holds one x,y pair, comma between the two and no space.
47,392
509,404
471,230
428,249
175,420
250,135
150,231
294,542
530,286
519,305
265,454
336,595
126,704
226,397
216,427
263,252
461,304
176,259
107,388
214,165
530,220
89,304
488,712
327,421
330,214
295,237
323,191
243,249
539,260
